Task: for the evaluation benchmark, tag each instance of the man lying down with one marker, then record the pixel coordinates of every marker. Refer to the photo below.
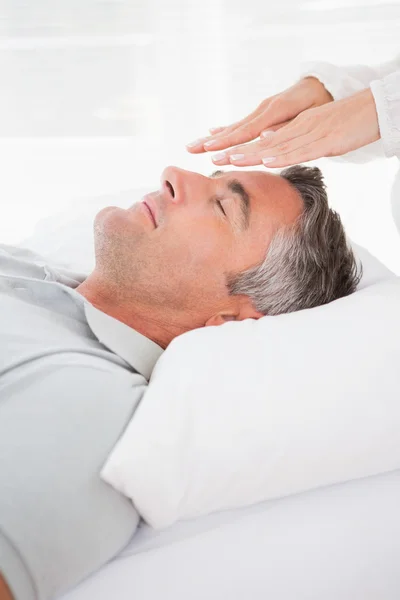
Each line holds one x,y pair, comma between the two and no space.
77,351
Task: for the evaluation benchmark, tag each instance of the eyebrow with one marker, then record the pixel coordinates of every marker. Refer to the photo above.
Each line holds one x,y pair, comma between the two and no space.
237,188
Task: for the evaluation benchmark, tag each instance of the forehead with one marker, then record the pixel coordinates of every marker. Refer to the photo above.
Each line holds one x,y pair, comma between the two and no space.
271,196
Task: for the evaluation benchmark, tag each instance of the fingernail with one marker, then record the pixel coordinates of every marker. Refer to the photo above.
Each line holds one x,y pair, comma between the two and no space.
210,143
219,156
266,133
195,143
212,129
268,159
236,156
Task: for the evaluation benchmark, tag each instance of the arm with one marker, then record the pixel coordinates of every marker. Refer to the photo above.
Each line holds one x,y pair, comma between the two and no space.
73,416
302,123
342,82
349,127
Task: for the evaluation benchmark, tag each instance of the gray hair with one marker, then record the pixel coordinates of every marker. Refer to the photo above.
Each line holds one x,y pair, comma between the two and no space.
308,263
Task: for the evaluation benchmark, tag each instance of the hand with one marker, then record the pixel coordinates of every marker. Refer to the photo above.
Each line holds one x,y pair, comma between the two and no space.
330,130
272,114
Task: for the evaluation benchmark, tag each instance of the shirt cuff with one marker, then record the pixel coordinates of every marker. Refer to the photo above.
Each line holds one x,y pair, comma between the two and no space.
335,79
386,94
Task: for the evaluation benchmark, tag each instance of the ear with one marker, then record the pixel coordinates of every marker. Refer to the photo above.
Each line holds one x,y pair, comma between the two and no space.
243,310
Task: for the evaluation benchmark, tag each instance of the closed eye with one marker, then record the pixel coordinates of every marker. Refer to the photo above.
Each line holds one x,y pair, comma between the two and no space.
221,207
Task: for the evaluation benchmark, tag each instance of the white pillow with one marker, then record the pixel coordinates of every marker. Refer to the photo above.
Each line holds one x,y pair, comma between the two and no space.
256,410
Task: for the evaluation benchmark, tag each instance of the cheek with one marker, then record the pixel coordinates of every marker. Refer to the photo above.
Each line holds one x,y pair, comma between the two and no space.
197,247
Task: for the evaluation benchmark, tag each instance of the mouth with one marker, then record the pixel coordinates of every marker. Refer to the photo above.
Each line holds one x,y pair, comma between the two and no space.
150,212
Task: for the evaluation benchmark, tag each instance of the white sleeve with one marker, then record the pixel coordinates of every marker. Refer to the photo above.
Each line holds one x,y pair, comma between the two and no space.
386,93
342,82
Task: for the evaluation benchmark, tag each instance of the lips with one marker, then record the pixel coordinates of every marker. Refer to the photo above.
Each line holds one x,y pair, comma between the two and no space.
150,211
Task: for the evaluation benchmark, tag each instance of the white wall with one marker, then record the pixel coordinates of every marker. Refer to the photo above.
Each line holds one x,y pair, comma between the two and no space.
99,96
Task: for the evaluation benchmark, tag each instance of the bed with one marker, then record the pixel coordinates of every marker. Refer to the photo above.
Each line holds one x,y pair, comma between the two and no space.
337,543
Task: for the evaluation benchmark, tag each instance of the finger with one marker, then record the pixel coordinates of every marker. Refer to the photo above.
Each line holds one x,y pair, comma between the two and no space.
233,126
214,130
292,144
273,128
197,146
288,137
239,160
245,130
304,154
244,155
241,135
286,133
265,154
271,113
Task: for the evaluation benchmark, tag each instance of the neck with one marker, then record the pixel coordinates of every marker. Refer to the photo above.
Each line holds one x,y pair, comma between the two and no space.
157,323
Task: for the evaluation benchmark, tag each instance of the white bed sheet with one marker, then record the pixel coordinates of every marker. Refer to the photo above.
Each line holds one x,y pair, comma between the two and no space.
337,543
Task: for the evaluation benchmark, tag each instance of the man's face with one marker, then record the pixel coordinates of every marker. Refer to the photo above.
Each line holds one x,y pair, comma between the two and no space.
175,248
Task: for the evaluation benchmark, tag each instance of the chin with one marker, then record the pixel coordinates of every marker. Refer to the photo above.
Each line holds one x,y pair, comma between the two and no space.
103,215
107,210
113,218
116,229
107,225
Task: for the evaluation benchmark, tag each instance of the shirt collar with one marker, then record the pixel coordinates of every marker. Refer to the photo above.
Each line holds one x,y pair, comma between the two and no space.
136,349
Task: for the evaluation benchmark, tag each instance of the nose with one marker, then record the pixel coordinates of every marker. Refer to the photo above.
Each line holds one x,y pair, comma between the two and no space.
179,185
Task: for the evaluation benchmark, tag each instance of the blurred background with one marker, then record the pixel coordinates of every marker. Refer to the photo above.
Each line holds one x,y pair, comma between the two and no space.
98,96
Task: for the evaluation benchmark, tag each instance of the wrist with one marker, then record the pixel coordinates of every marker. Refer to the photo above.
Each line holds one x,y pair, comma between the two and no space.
365,107
320,94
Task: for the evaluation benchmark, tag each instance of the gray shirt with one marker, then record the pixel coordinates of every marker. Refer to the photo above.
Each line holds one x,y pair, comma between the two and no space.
70,379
